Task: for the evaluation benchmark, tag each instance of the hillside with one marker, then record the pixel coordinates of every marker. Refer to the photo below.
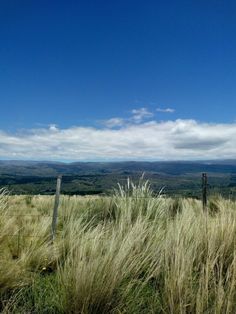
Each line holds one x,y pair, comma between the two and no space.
180,177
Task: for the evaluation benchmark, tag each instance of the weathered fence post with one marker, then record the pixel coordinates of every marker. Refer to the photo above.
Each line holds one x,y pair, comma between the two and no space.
55,209
204,191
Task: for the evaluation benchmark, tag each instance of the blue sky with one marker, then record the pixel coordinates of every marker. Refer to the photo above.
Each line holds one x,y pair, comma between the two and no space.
97,65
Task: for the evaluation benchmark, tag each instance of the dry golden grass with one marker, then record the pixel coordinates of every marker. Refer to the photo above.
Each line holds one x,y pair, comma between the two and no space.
130,253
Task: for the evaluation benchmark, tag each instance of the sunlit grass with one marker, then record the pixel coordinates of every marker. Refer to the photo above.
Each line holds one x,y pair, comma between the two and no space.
134,252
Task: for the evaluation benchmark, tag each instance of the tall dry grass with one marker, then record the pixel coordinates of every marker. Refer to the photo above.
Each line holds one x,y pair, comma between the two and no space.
129,253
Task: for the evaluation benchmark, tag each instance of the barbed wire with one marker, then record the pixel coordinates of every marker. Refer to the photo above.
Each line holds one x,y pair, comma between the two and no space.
22,235
25,215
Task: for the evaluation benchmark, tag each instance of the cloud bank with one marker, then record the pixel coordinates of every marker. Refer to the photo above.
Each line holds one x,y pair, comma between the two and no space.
152,140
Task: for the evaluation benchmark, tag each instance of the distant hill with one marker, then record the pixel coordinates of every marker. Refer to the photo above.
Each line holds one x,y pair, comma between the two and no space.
179,177
44,169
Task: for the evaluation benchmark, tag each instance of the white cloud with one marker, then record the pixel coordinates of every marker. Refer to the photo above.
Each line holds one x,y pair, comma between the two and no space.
114,122
138,115
166,110
167,140
53,127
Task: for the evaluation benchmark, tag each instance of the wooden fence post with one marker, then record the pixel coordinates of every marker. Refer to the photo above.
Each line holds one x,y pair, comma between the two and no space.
55,209
204,191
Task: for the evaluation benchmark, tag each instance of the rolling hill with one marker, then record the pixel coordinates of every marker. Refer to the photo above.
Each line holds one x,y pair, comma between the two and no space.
179,177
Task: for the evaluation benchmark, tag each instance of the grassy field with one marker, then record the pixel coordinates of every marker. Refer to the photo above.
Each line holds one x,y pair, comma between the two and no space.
129,253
